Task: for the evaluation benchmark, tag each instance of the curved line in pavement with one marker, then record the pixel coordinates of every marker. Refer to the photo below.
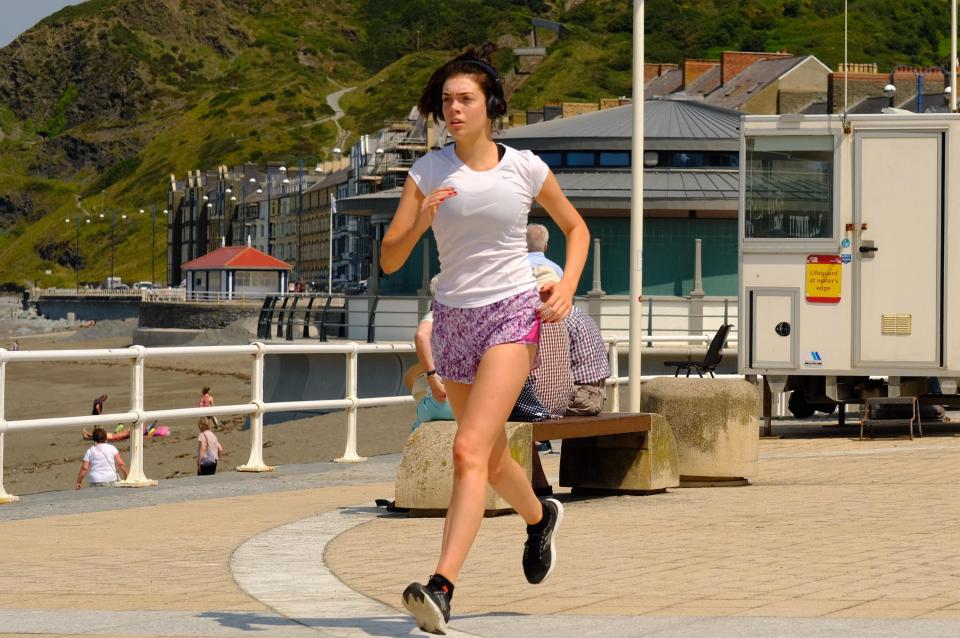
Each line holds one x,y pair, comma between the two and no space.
284,569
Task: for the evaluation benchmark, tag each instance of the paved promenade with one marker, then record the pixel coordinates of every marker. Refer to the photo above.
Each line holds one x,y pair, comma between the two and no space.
837,537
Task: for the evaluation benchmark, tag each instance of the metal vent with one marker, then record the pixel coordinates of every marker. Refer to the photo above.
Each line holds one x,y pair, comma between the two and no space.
896,324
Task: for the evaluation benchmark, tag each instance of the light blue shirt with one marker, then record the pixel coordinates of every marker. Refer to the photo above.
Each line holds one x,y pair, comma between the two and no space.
539,259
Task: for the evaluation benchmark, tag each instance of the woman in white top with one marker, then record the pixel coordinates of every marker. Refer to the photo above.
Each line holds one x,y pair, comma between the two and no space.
102,462
476,195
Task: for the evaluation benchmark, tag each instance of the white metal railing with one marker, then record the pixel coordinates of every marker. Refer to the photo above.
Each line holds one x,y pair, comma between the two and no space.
137,356
36,293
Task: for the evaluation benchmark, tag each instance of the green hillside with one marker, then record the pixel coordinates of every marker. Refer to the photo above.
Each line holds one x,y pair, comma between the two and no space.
103,101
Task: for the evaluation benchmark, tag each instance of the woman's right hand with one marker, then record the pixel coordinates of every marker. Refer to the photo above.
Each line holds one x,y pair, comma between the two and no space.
436,388
430,204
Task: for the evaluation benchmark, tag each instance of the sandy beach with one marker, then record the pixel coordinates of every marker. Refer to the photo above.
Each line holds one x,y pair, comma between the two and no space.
48,459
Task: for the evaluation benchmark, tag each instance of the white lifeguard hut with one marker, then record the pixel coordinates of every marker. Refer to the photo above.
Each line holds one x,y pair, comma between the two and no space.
848,259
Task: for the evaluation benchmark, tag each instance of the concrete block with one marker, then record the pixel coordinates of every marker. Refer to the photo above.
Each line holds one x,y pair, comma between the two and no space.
642,462
716,423
425,476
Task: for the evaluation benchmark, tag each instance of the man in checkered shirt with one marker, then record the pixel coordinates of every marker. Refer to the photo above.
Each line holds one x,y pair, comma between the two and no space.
588,364
583,348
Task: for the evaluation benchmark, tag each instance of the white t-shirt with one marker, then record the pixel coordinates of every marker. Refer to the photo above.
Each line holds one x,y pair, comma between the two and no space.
103,467
482,231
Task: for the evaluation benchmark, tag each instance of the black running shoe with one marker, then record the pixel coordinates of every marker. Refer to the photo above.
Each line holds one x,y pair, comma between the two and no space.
539,552
430,607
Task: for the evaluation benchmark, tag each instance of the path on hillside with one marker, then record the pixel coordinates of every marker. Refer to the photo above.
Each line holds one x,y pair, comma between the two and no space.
333,101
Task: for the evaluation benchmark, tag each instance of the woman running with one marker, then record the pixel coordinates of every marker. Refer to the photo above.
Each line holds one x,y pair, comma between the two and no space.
476,195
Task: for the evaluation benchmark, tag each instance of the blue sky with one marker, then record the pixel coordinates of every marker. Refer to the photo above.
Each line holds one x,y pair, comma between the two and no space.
18,16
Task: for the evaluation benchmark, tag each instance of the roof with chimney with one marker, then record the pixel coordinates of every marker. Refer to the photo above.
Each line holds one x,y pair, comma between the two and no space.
748,83
668,82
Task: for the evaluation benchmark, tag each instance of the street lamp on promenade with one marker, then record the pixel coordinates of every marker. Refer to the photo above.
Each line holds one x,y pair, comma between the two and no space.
76,251
113,244
223,215
299,272
243,207
153,243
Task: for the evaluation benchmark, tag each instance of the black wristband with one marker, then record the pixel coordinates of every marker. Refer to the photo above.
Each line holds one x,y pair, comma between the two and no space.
430,373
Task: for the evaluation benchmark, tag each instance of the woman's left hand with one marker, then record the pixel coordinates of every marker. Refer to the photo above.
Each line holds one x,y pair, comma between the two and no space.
557,298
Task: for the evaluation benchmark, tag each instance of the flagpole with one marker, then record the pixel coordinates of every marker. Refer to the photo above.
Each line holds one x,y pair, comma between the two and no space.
636,213
333,210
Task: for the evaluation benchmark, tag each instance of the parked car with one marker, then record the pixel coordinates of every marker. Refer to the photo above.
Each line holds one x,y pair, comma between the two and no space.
355,288
144,285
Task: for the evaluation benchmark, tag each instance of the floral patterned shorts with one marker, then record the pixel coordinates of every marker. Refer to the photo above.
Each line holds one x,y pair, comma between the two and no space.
461,336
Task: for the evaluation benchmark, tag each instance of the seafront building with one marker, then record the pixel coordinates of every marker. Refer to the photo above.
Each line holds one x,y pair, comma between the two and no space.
293,210
690,192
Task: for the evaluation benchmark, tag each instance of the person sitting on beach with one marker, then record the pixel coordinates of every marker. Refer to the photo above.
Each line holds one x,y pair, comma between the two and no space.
209,450
101,461
120,434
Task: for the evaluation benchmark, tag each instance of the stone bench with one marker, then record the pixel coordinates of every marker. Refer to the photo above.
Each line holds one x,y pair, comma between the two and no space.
716,423
623,453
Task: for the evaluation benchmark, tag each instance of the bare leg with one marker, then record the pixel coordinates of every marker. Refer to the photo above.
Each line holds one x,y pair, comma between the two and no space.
480,451
539,477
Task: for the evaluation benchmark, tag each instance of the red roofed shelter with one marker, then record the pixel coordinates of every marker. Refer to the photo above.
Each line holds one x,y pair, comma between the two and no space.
236,270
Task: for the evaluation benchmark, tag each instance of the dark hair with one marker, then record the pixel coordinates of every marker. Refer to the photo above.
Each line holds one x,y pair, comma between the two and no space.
205,389
472,62
99,435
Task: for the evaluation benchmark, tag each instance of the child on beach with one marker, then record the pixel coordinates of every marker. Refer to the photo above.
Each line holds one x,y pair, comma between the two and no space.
475,195
206,401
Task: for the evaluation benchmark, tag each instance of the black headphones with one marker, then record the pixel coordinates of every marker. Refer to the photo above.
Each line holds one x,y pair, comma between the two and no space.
496,101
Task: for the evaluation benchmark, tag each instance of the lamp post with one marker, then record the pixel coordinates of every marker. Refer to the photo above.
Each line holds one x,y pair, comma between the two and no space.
167,251
284,184
259,191
243,207
333,211
223,214
285,189
153,244
103,217
337,153
113,243
76,253
210,213
269,209
890,91
299,218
